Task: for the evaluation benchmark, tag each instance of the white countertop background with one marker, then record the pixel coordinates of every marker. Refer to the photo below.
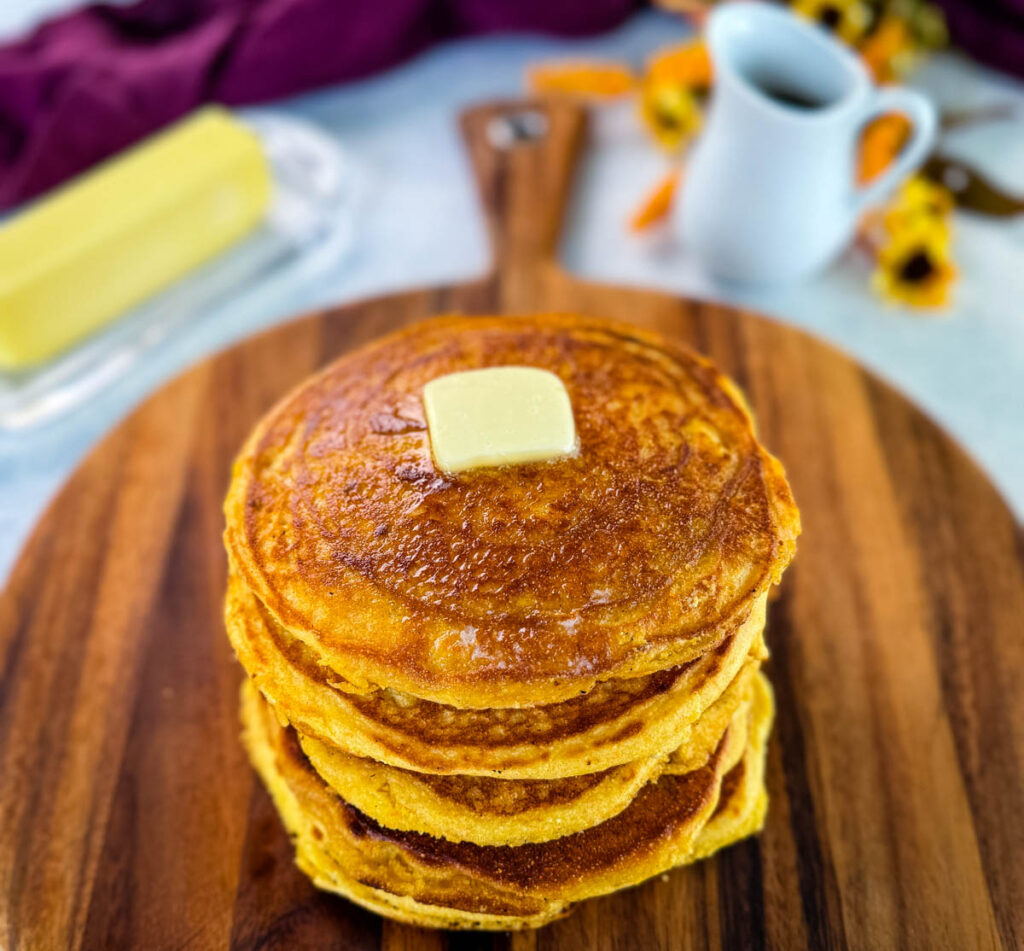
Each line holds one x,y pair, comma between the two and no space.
420,224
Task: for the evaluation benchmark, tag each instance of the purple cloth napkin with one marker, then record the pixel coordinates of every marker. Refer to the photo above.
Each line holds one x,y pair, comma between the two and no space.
90,83
990,30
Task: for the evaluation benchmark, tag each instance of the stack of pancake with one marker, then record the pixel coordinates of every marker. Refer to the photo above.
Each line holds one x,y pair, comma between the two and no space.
478,698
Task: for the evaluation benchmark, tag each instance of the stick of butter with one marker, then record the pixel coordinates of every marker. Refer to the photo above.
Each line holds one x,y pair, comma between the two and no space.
74,261
498,416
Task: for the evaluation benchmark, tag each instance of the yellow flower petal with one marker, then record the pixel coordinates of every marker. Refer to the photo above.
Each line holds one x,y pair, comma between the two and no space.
670,112
591,80
657,203
889,51
687,64
920,205
880,144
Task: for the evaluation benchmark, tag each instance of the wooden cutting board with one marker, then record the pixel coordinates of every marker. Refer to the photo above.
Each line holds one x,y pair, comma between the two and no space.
129,816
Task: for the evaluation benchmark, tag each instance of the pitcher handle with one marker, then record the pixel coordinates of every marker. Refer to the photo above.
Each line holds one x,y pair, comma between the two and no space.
921,113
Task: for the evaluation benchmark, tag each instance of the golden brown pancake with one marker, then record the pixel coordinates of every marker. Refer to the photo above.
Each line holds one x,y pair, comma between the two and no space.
510,586
739,813
328,874
443,897
662,828
616,722
491,811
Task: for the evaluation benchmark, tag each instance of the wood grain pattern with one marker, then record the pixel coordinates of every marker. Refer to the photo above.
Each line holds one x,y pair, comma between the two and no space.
129,817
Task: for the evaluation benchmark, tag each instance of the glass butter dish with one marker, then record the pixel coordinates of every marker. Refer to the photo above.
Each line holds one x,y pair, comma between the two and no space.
314,192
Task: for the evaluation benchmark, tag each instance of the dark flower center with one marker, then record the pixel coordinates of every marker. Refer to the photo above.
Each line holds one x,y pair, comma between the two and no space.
667,119
917,268
831,16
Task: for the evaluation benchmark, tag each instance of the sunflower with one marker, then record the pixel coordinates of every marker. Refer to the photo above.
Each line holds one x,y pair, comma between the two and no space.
848,19
914,268
675,84
671,113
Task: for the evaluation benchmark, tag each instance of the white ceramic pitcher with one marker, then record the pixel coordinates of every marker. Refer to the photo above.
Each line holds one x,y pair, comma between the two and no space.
769,194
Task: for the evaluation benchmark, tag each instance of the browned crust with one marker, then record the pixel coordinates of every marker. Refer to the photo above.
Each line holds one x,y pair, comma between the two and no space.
673,808
617,721
508,586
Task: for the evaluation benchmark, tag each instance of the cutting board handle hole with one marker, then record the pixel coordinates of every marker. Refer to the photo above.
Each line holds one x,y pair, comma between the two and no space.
510,129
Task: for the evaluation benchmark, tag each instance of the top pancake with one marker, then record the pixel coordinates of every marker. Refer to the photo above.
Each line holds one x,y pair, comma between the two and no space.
508,586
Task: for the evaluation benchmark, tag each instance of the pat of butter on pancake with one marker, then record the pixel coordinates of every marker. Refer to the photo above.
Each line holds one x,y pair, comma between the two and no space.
498,416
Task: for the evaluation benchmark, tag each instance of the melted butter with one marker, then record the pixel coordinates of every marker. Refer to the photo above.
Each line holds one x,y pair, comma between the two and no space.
498,416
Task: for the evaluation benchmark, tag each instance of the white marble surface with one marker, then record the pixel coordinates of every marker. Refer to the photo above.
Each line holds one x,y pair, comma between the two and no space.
420,225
